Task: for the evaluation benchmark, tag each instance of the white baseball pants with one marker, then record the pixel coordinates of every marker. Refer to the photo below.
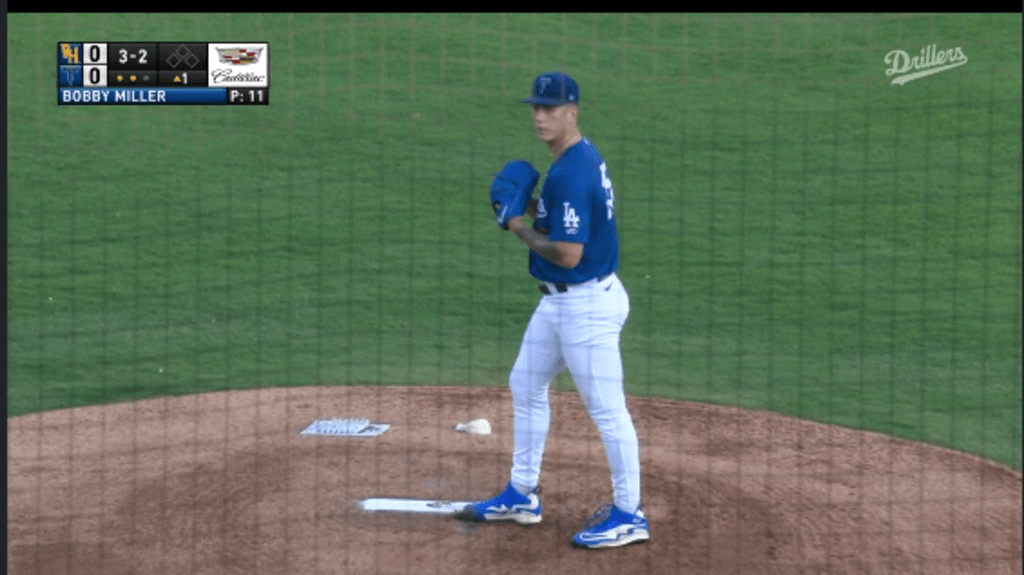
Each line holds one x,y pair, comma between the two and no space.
579,330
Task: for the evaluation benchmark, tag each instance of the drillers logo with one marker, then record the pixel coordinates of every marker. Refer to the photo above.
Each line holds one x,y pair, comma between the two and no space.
930,61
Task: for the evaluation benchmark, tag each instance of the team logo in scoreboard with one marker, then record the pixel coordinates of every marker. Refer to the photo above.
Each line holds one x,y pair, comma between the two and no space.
70,53
70,76
239,56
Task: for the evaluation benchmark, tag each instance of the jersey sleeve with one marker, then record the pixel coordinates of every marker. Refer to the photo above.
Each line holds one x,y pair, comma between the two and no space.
569,209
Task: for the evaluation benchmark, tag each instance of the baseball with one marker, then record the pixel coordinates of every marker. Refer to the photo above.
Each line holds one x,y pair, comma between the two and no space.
476,427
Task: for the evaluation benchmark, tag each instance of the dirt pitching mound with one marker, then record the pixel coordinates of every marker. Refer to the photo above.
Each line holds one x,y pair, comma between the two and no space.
225,483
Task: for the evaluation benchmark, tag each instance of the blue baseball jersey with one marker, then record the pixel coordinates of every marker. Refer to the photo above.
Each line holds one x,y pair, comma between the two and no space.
577,204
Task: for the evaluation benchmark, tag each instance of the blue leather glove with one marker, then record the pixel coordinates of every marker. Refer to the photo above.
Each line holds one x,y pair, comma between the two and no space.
511,190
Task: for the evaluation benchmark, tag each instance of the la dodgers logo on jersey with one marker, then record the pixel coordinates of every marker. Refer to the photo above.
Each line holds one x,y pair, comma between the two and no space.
570,219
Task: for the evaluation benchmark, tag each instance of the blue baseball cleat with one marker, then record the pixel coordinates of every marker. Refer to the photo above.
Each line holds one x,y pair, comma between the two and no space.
612,527
509,505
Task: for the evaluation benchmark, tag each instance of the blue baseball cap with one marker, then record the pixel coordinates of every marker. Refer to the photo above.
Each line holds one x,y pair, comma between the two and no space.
554,89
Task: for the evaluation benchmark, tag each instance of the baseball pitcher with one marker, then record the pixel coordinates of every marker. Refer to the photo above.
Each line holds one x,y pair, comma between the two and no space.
574,253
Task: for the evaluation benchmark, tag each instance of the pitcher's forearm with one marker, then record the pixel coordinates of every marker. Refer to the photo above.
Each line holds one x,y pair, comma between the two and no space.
561,254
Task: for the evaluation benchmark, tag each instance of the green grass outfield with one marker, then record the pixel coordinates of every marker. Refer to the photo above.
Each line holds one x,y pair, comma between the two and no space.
798,234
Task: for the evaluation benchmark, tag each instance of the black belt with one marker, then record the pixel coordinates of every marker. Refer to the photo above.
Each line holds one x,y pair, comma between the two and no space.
562,288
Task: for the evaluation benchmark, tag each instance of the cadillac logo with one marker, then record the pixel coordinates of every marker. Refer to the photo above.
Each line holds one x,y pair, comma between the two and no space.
239,56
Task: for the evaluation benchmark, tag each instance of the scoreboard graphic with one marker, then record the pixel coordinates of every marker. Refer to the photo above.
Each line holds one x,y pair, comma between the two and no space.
162,73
